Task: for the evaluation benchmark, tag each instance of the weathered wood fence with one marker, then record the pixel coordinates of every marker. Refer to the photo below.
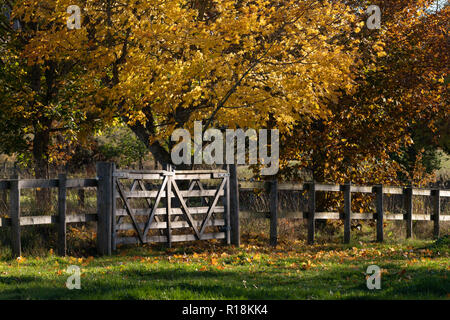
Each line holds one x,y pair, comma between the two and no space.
347,215
15,221
114,204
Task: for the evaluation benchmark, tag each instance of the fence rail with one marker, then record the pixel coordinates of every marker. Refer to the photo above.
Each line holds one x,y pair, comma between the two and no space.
48,183
42,220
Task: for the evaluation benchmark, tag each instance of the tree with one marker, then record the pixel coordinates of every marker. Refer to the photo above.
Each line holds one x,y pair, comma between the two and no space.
401,104
36,95
160,65
400,89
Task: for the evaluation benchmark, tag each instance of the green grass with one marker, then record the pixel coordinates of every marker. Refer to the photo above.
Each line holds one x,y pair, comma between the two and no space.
292,270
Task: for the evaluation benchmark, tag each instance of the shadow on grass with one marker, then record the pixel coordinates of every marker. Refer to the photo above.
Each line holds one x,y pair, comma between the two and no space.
8,280
190,284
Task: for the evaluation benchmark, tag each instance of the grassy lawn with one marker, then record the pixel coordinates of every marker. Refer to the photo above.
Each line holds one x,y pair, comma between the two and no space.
292,270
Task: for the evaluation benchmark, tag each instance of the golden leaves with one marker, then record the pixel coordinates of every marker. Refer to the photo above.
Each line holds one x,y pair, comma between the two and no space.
194,64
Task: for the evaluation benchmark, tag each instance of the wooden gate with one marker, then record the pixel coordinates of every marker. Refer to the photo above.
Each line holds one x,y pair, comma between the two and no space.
170,206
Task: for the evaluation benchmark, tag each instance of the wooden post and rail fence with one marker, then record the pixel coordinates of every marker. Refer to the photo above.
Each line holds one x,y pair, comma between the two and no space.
15,221
347,215
168,206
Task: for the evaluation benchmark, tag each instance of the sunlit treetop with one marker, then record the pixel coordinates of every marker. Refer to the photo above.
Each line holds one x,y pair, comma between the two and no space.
163,64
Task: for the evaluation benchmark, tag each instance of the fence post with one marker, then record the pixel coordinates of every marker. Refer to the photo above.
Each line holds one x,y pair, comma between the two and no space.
226,203
234,206
113,209
347,211
274,212
14,209
437,212
169,207
62,207
380,212
104,207
312,212
4,197
409,210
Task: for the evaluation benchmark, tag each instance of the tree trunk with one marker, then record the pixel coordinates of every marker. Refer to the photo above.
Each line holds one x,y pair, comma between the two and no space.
161,155
40,157
318,159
